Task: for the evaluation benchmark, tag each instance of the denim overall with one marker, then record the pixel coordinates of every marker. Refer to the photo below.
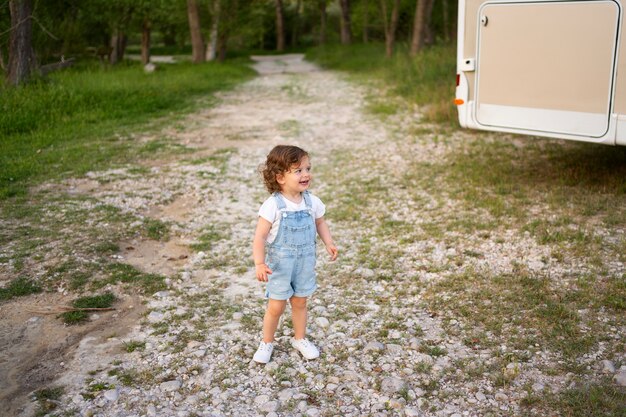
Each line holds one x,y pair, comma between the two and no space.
291,256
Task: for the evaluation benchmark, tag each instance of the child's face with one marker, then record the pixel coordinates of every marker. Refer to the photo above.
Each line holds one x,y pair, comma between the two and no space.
297,179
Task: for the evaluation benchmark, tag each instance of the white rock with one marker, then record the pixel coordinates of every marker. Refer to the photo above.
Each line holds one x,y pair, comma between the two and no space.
312,412
151,411
394,349
285,395
322,322
620,378
193,344
392,385
395,334
155,316
269,407
374,346
199,353
500,396
608,367
112,394
365,272
261,399
480,396
171,385
350,376
538,387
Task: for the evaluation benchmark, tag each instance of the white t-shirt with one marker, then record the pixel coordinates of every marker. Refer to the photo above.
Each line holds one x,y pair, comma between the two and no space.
269,211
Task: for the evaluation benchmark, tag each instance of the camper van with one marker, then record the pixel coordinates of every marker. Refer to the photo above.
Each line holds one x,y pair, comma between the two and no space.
543,68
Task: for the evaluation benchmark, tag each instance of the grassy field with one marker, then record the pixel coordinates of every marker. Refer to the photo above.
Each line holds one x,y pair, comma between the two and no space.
88,118
427,80
85,118
566,198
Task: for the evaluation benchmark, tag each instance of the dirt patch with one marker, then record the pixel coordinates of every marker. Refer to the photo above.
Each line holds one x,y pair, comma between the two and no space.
36,348
155,257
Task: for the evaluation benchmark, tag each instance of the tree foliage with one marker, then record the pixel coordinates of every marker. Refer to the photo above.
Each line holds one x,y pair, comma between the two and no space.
74,28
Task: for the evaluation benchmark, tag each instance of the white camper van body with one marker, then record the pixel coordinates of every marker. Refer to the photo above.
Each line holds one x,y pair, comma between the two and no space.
545,68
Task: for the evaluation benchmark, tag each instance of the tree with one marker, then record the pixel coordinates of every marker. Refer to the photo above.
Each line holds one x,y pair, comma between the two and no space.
346,26
119,14
197,43
422,13
280,26
22,61
390,24
3,66
145,41
323,20
296,23
211,47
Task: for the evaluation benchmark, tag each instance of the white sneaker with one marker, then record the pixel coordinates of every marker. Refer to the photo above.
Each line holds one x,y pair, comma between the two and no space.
264,352
308,349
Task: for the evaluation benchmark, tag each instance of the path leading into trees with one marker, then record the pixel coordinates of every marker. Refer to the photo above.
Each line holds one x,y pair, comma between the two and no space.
384,352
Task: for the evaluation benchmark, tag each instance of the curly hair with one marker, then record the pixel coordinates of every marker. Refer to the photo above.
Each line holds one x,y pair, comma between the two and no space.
280,160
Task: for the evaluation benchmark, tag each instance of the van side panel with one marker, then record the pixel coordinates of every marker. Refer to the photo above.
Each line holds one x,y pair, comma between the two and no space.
620,86
469,45
547,66
571,68
585,101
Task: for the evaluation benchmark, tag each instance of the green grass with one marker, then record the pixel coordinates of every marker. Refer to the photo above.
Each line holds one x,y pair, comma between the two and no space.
47,400
209,236
156,229
134,345
145,282
603,399
97,301
427,80
83,119
19,287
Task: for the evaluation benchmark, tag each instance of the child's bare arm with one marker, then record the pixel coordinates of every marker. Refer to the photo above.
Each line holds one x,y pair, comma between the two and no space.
258,249
324,232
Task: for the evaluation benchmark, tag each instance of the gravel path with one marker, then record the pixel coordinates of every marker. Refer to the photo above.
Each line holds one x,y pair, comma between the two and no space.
384,352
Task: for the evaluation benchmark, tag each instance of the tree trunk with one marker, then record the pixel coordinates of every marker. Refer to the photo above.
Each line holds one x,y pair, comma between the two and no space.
222,41
145,42
2,64
445,21
429,36
390,25
118,46
280,26
422,9
346,26
211,47
295,29
366,15
323,19
22,60
197,43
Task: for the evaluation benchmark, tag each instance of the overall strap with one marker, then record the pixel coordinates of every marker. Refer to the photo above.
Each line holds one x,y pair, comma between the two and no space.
307,200
279,201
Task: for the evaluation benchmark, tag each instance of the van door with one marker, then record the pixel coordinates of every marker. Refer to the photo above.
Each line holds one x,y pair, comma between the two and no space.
547,67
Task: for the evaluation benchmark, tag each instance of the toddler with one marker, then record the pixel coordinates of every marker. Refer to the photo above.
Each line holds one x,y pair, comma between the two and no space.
287,226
